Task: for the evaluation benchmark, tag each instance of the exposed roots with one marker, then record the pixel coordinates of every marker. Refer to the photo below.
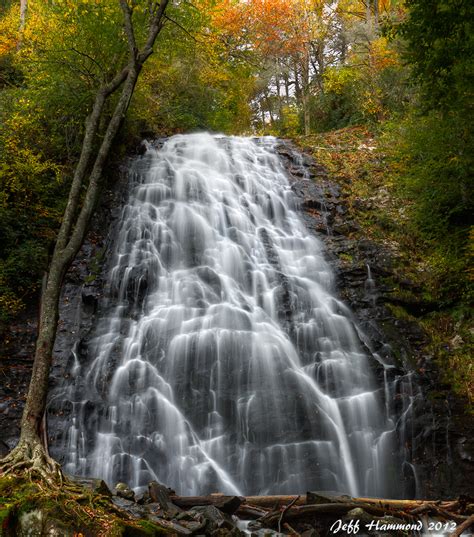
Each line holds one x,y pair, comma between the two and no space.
30,458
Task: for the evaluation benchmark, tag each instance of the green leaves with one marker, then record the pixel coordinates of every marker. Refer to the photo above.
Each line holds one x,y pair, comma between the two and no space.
440,39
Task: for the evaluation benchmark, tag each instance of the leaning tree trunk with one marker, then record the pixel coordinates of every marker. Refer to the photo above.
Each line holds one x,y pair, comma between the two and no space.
31,454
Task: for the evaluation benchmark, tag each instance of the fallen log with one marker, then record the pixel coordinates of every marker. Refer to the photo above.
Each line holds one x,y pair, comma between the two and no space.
274,511
272,519
463,527
249,512
279,501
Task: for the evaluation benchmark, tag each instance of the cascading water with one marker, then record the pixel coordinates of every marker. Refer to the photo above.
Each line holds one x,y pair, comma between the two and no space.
223,360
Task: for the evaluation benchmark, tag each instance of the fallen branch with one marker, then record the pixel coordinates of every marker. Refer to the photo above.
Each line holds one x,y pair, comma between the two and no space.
285,510
463,527
330,510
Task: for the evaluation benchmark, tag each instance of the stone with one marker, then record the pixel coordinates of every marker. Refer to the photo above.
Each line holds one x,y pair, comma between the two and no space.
135,511
143,498
37,523
124,491
265,532
161,495
215,519
4,449
99,486
176,529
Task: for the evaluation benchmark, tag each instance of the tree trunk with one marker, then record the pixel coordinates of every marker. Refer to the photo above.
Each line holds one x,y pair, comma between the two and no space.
305,92
30,454
287,90
23,13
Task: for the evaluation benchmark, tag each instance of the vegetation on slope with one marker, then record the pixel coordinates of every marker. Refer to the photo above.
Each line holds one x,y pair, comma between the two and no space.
363,163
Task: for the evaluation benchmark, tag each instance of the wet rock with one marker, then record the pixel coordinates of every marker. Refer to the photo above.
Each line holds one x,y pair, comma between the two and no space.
215,519
161,495
265,532
195,526
130,507
37,523
98,486
176,529
230,505
89,301
143,498
234,532
124,491
4,449
444,465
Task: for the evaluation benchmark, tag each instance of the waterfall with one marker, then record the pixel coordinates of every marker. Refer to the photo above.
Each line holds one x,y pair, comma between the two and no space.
222,358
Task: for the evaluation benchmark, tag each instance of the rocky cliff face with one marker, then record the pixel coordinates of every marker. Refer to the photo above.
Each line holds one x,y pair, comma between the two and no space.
443,434
443,439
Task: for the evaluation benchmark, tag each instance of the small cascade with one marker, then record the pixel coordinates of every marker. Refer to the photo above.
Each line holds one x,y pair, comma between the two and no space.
370,289
222,358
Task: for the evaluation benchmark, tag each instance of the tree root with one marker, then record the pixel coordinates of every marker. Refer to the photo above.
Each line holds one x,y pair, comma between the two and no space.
30,458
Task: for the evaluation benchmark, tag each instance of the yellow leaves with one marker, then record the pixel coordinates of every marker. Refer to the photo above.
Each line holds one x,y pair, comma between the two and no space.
9,30
381,55
337,79
10,303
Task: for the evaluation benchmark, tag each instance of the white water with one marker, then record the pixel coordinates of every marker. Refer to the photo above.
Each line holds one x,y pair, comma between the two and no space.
225,361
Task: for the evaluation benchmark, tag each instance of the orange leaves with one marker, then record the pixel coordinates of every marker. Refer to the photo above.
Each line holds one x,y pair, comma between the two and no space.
270,27
9,31
381,55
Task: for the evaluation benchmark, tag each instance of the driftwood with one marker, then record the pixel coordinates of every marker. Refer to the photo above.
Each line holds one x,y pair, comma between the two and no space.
285,513
464,505
463,527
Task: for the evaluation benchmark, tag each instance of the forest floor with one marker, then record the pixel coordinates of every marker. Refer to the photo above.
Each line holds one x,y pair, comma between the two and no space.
357,161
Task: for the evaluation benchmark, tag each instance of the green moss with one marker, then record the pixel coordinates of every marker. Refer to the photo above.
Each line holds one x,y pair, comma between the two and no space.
399,312
451,344
95,266
72,509
347,258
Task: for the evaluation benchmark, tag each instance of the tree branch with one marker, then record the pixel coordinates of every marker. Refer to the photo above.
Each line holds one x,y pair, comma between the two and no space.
180,27
155,28
89,58
92,190
92,125
127,16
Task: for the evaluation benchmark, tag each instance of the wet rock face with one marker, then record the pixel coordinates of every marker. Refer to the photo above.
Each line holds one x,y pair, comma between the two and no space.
443,443
17,346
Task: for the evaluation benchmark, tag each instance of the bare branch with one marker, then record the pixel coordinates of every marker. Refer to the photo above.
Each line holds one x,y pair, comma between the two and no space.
180,27
128,15
85,55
